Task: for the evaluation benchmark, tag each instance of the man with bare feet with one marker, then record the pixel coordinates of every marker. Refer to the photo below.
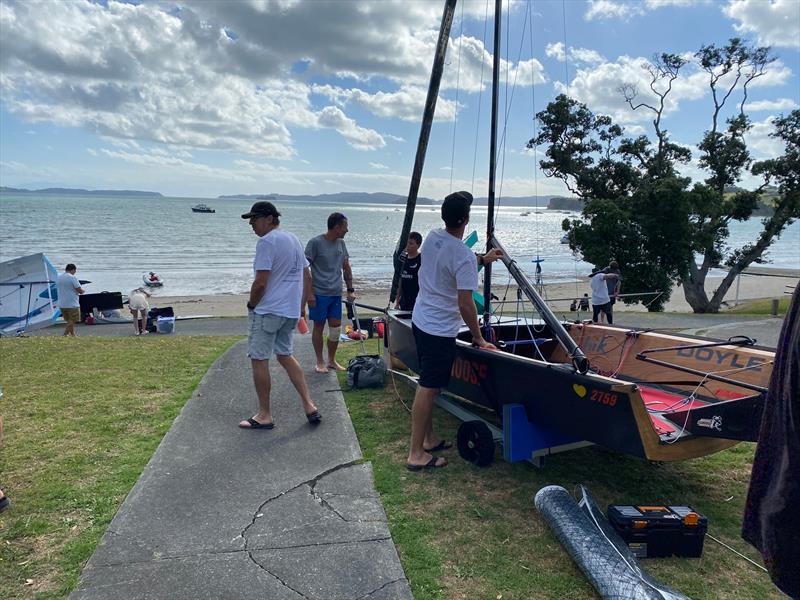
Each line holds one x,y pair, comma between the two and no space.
329,261
277,301
69,288
447,278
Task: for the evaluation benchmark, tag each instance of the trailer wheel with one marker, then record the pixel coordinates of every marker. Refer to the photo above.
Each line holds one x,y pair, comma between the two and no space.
475,443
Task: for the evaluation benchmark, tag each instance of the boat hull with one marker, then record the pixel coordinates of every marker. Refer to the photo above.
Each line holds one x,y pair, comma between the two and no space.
557,398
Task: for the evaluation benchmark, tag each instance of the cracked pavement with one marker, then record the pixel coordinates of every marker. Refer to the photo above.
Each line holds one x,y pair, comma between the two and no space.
222,512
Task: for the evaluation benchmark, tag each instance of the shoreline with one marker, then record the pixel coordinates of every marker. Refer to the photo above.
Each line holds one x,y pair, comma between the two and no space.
557,295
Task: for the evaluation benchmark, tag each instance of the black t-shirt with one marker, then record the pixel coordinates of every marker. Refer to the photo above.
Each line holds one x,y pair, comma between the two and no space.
409,282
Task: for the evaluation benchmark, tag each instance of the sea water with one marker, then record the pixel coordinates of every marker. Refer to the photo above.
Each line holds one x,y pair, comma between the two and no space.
115,240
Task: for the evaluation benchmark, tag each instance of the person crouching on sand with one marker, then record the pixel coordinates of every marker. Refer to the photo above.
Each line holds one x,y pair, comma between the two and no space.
277,300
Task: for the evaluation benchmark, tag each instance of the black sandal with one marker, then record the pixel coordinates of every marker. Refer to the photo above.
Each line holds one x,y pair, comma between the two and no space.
4,501
256,425
431,464
314,418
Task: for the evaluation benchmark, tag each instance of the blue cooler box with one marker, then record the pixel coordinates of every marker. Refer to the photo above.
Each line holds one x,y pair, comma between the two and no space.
165,324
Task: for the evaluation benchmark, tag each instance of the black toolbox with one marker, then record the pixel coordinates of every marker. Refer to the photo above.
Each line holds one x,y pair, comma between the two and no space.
656,531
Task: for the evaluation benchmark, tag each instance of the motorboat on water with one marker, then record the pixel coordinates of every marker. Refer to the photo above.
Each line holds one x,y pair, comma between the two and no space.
202,208
152,279
565,239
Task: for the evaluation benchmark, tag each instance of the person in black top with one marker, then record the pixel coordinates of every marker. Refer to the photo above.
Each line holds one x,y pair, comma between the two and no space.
409,278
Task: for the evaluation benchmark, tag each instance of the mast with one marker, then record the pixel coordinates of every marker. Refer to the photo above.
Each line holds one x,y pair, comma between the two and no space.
487,269
422,144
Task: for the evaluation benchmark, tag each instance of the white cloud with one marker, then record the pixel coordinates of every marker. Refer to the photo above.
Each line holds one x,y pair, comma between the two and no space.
577,55
627,9
406,103
379,166
779,104
358,137
775,22
759,142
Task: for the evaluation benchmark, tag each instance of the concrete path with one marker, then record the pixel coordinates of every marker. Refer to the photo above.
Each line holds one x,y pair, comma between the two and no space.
222,512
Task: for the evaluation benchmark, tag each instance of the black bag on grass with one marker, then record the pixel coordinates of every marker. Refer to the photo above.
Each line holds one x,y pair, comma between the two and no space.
366,371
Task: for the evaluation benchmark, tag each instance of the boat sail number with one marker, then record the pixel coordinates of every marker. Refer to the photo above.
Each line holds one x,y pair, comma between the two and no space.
607,398
469,371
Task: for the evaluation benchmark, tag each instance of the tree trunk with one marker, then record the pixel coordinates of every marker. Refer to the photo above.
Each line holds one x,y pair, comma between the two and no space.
694,290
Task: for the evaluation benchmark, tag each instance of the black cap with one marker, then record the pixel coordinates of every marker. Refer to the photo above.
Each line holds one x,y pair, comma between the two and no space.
262,209
455,209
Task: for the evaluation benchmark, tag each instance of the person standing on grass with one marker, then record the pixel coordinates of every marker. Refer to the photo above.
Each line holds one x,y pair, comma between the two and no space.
327,254
600,300
277,300
614,285
409,278
69,288
447,279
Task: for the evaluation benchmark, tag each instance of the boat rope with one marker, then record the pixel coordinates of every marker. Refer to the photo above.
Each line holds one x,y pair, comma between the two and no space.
735,551
480,103
458,87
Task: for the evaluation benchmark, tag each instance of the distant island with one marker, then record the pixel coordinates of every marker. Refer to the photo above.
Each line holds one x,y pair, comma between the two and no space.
81,192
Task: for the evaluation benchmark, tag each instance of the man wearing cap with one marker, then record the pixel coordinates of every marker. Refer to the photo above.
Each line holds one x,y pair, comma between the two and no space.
277,301
329,261
447,278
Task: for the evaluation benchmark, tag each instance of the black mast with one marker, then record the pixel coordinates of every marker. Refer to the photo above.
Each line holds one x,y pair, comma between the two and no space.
422,144
487,276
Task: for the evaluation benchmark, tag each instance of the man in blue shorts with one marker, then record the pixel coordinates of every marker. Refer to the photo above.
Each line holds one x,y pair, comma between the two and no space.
329,261
277,301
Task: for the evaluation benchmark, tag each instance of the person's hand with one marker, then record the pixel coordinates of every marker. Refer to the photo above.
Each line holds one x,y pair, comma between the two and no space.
311,301
302,312
351,297
483,344
492,255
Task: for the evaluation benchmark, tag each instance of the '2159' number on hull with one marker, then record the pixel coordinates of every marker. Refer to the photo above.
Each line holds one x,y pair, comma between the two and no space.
606,398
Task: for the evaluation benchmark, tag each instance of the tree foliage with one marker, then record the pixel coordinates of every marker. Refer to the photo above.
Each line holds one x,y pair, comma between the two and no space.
639,210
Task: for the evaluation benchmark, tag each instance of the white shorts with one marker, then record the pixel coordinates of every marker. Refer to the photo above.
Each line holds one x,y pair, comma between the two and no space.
138,302
269,334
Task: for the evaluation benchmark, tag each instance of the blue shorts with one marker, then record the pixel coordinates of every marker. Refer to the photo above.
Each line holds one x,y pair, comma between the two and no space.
328,307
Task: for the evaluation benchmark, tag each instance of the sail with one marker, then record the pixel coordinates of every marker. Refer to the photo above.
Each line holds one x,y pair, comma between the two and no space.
28,294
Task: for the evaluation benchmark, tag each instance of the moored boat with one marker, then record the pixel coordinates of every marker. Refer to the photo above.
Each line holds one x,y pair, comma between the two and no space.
202,208
152,279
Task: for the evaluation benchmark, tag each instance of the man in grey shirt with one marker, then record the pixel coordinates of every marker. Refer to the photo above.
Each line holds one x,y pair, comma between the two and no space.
329,261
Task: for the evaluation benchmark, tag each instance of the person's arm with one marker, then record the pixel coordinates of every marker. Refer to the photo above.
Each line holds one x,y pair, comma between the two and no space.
348,280
308,297
466,305
257,289
491,256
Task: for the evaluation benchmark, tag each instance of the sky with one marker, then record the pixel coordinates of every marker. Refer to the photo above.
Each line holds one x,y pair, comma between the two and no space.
203,98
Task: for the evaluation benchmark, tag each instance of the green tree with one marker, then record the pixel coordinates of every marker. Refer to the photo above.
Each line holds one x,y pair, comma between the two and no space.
639,210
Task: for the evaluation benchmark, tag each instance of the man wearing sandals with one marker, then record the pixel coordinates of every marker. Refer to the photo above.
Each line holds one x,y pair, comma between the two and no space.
277,299
447,278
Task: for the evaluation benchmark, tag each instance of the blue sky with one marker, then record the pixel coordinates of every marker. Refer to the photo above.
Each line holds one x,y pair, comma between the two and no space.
201,98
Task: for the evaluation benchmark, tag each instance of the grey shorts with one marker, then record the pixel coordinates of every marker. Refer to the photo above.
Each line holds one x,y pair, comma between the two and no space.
268,335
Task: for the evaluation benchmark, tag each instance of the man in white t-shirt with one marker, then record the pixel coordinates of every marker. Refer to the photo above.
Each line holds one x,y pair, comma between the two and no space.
447,278
600,298
69,288
277,300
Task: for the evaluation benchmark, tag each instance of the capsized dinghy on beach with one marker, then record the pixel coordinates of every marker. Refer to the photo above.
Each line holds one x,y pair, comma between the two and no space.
657,396
28,294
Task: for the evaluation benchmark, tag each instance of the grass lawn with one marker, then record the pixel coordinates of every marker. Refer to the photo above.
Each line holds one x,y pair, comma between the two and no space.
761,307
82,418
465,532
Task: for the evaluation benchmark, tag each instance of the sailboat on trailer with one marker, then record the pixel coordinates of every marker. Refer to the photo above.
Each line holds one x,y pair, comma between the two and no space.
657,396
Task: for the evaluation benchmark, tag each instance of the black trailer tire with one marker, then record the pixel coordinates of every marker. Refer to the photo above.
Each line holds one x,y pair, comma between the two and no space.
475,443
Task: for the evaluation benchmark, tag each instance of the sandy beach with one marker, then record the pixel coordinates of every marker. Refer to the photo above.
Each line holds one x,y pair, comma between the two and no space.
559,296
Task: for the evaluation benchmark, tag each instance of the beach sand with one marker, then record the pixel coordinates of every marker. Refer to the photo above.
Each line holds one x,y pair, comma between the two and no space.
751,287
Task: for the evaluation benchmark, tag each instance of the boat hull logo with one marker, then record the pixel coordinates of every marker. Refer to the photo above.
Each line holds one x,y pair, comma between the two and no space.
579,389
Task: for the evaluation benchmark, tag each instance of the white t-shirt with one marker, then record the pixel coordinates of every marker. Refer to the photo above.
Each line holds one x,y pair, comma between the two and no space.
68,285
449,266
599,290
280,253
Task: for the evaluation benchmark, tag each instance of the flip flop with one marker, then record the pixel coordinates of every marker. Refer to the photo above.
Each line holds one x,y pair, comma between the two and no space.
253,424
314,418
443,445
431,464
4,502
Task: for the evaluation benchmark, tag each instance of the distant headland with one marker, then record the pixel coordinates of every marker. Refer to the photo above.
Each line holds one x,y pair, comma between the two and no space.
81,192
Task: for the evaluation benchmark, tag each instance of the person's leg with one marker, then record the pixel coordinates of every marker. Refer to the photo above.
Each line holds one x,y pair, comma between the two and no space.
421,420
263,385
316,341
135,315
595,311
333,343
609,310
295,373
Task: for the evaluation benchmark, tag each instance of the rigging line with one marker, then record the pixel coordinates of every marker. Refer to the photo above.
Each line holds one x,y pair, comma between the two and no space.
750,560
509,100
480,102
566,48
458,87
535,155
